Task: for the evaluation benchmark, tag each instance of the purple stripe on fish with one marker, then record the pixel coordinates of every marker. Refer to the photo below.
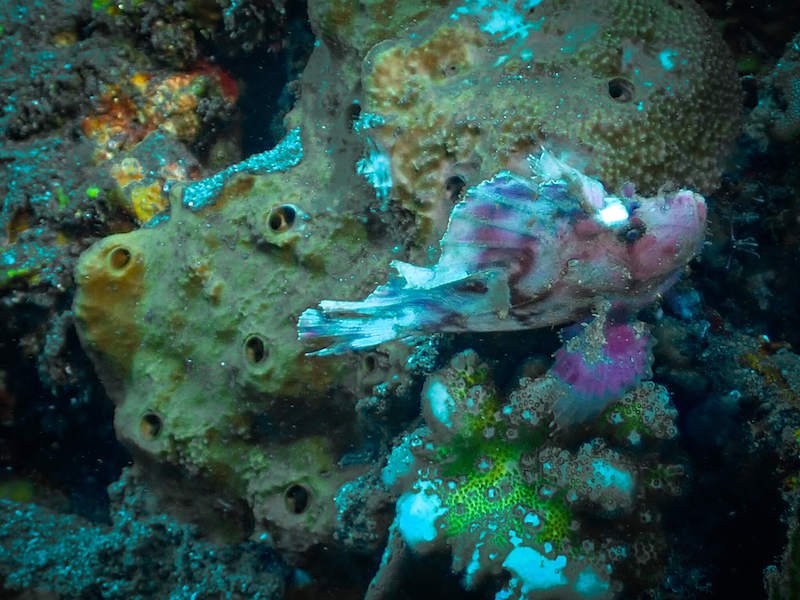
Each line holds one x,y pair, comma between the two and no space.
522,226
518,261
494,211
507,187
494,237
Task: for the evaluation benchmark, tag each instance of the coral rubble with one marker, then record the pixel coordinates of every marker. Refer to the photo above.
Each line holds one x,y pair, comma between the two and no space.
141,555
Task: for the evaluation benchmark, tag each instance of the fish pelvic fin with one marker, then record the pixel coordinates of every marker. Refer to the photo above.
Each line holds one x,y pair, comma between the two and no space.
598,366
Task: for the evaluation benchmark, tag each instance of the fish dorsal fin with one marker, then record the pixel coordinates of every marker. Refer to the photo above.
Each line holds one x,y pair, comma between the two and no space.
493,221
547,168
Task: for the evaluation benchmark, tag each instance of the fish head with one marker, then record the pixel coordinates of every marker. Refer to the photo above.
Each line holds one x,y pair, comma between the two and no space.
663,233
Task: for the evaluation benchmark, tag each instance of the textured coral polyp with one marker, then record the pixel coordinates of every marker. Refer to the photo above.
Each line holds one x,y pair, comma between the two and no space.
129,110
493,489
503,492
786,125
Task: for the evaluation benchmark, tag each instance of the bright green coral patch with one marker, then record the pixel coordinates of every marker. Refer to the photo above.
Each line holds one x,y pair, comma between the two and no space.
493,492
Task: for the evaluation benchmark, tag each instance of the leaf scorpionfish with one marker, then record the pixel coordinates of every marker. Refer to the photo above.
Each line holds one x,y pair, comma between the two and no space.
529,252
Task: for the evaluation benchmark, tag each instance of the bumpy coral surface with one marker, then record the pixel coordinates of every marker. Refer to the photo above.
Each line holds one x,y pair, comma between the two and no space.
487,480
646,91
778,110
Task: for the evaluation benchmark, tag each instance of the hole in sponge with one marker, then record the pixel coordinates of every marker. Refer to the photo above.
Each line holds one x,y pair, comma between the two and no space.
454,185
353,113
281,218
119,258
150,426
255,350
620,89
297,498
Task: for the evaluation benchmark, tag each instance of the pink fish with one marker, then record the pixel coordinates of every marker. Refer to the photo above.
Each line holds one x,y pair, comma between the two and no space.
522,253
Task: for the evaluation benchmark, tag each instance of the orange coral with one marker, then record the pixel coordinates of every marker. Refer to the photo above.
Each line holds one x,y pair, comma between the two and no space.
128,111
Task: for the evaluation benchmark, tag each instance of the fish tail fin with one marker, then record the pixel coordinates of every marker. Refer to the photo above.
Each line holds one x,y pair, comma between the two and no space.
356,325
419,301
350,332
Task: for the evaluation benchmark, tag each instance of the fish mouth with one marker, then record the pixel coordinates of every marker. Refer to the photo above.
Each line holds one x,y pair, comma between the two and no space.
702,209
690,201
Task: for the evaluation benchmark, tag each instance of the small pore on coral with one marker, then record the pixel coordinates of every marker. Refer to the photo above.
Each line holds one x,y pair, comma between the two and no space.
620,89
370,363
150,425
255,350
353,113
119,258
282,218
296,498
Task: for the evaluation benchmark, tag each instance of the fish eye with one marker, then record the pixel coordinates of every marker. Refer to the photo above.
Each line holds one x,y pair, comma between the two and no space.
632,232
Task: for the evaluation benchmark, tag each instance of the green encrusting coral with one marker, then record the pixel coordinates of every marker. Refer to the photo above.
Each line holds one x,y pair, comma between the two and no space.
491,481
488,483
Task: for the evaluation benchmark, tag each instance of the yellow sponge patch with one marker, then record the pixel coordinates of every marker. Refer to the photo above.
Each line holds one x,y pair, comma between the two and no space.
111,278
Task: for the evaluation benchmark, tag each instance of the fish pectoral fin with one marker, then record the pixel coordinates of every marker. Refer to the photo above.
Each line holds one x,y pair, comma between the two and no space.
482,298
499,294
428,278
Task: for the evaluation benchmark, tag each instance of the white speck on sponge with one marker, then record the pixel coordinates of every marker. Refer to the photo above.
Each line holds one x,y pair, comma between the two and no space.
441,403
535,570
416,516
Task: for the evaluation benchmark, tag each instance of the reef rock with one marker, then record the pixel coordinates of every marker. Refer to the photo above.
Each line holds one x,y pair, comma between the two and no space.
191,321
